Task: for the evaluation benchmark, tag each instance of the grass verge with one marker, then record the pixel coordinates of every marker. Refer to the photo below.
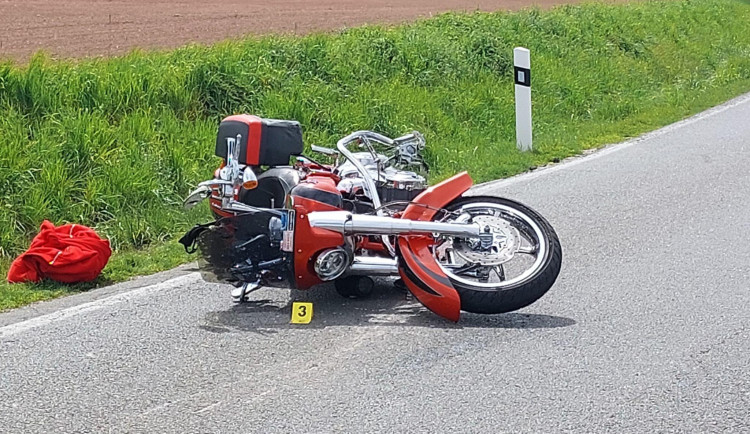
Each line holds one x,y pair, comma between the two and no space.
116,143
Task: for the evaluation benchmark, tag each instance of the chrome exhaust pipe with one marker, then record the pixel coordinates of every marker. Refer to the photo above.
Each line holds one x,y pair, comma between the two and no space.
358,224
373,266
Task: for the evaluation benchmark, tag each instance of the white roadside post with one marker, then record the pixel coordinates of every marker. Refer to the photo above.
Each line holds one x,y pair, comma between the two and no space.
522,78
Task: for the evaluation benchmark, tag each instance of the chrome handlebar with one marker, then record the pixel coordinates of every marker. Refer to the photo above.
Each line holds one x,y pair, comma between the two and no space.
366,137
369,183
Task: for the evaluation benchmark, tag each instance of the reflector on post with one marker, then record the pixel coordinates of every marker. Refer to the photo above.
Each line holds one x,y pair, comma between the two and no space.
522,79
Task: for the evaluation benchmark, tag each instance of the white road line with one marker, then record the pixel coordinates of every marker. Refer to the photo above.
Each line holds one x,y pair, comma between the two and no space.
95,305
609,149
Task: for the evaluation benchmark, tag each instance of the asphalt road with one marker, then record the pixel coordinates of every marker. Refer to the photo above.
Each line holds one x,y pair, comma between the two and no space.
646,330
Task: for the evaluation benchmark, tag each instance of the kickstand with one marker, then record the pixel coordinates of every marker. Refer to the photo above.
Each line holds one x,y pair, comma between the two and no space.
239,295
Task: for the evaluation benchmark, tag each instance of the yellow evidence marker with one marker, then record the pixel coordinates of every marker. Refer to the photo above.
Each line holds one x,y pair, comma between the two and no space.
302,313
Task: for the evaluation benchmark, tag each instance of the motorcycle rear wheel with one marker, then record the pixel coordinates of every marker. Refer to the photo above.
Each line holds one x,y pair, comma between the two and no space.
520,267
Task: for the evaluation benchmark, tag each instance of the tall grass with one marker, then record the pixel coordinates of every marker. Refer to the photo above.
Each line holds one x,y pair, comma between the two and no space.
117,143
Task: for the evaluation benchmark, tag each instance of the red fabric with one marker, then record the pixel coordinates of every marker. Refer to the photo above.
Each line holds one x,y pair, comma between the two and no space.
69,253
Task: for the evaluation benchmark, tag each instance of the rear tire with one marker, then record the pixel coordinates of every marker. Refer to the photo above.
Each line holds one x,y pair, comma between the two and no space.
485,299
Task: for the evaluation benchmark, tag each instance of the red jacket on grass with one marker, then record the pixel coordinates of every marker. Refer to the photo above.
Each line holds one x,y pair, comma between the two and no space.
69,253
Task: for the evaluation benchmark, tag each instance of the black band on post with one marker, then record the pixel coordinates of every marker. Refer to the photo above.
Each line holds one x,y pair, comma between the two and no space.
522,76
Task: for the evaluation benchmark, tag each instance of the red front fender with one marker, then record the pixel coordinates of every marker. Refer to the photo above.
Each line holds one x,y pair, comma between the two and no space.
437,196
418,267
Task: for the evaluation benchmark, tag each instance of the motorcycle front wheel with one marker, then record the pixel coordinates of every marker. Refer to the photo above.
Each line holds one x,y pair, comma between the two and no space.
515,263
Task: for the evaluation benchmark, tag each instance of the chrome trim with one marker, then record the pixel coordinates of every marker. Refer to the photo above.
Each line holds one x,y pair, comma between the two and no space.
233,205
369,184
323,150
350,224
212,182
196,196
373,266
332,263
332,220
240,294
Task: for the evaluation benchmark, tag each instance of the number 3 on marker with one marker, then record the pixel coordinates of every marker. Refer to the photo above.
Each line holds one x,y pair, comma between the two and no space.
302,313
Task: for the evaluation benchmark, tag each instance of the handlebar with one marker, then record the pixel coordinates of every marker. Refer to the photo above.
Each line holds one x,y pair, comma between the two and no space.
369,183
366,137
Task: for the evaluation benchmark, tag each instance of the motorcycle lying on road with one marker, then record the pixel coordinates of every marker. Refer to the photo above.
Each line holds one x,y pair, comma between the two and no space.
366,215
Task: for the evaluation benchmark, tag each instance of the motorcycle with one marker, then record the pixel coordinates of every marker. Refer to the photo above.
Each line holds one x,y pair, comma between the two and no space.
370,213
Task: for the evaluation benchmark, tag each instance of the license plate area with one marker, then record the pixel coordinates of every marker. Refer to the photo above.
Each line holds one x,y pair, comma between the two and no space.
287,224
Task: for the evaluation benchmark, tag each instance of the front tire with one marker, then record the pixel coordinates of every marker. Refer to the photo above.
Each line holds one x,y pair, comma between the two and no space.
483,277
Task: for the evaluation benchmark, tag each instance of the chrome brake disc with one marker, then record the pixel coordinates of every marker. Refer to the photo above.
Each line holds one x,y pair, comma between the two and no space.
503,245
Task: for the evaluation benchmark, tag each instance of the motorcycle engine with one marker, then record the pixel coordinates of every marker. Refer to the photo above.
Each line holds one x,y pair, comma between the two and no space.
401,185
392,184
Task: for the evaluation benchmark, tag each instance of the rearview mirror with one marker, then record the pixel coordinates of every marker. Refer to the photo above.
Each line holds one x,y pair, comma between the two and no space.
324,150
196,197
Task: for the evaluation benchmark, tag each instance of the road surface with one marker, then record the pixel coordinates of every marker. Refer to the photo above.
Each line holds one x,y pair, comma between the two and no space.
646,330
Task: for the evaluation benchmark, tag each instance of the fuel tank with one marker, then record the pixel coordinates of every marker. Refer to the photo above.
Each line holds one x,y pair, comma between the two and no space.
320,189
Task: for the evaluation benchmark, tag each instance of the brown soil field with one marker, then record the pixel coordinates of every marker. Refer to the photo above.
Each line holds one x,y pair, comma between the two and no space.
82,28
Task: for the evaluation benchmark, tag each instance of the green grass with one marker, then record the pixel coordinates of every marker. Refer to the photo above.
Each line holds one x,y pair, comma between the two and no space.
116,143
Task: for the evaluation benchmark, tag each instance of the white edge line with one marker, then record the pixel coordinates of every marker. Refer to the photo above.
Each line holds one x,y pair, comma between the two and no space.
609,149
92,306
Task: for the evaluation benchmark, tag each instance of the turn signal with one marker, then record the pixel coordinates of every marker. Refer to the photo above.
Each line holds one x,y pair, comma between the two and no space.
249,181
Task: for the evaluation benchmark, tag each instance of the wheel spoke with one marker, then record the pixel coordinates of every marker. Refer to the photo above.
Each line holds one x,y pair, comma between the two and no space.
450,256
465,268
518,235
500,271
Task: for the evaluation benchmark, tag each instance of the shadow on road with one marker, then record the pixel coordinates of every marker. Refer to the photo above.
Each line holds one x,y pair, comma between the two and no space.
387,307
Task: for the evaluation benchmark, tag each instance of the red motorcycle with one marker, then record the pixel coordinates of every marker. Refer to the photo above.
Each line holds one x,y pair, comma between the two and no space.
368,214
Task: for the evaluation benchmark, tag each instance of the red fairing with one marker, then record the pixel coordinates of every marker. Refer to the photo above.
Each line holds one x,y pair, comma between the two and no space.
437,196
419,269
424,278
309,241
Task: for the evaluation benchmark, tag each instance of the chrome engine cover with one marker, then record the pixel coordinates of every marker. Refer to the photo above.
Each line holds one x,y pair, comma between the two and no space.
405,180
393,184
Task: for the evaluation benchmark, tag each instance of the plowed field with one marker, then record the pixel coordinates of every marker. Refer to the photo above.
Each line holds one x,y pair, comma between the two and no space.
79,28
